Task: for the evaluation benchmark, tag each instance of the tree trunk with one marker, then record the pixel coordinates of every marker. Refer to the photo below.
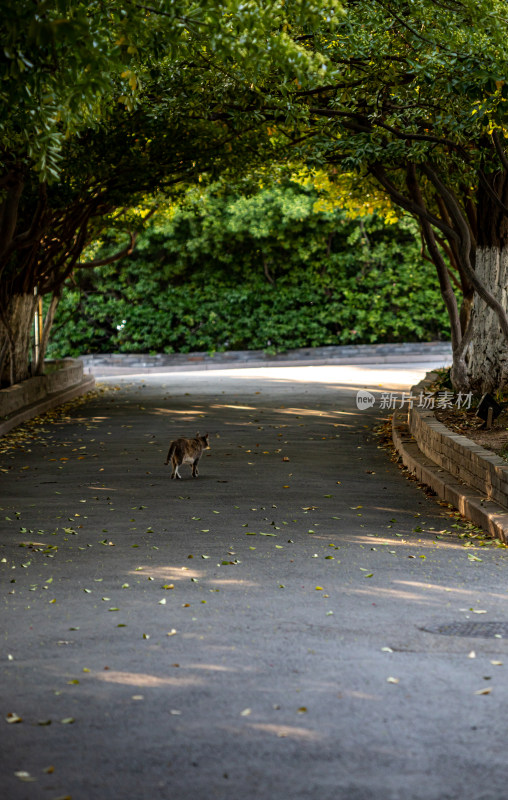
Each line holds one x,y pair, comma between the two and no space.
486,356
486,353
15,328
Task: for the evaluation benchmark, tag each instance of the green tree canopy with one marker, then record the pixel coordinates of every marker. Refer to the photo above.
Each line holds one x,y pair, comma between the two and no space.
106,101
410,95
417,99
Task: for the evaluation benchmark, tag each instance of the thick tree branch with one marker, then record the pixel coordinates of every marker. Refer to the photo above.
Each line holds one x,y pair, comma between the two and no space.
499,150
9,215
10,344
465,248
492,194
454,245
31,235
405,202
444,245
103,262
421,137
125,251
447,292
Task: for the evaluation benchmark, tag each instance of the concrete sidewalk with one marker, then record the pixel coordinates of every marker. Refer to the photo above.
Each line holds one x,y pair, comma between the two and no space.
299,622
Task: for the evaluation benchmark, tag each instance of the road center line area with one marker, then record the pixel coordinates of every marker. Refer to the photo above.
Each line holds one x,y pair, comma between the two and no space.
289,624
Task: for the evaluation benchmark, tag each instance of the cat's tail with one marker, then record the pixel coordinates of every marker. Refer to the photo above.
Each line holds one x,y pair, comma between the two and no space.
170,453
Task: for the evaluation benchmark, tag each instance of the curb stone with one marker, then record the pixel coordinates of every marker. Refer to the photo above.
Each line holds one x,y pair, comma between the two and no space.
35,396
129,363
473,503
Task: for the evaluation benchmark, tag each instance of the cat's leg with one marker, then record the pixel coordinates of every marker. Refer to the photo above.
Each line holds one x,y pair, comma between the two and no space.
195,471
175,473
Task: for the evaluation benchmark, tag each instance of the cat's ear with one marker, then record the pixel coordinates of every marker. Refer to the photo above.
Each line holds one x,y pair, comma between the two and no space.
197,435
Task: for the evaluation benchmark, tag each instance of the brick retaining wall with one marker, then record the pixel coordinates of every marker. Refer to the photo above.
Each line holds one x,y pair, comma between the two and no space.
461,457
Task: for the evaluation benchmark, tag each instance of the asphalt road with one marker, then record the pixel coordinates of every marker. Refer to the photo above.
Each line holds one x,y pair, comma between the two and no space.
269,631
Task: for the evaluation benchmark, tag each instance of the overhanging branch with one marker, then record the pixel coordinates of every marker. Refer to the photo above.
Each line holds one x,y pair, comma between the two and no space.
413,207
465,248
102,262
499,150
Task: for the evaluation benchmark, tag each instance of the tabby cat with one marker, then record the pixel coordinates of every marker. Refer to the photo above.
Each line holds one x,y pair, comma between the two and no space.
186,451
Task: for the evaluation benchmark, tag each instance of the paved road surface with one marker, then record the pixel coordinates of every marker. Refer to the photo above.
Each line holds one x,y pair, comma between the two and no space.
257,633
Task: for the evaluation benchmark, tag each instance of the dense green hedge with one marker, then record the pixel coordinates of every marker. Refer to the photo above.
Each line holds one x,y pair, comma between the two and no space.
264,272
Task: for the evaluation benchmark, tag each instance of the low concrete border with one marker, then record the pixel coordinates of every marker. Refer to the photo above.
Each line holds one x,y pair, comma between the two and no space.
103,364
63,382
459,471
